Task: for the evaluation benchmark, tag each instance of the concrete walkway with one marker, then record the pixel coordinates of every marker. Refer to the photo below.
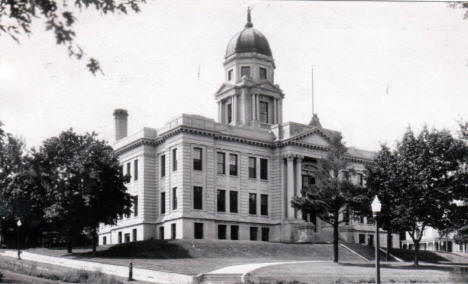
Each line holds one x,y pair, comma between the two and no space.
240,273
247,268
116,270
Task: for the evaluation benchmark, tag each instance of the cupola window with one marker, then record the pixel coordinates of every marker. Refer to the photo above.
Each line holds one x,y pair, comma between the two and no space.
264,112
230,75
245,71
263,73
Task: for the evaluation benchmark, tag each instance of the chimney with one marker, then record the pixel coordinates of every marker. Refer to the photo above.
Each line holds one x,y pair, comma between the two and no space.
120,118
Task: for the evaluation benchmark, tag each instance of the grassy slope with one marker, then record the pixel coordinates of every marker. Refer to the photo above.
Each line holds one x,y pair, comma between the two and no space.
423,255
191,258
367,251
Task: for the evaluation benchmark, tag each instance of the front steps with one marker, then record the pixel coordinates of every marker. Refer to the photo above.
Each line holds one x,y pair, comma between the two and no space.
221,278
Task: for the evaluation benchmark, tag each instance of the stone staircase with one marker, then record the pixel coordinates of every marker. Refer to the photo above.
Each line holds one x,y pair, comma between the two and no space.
217,278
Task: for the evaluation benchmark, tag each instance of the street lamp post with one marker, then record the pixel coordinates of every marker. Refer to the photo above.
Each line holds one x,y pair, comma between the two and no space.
18,238
376,206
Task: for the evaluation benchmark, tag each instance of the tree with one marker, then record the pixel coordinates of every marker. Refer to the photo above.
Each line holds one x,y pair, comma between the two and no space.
20,197
17,17
382,181
332,194
86,185
427,180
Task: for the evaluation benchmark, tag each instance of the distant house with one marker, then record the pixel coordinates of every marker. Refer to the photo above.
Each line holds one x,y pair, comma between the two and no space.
234,178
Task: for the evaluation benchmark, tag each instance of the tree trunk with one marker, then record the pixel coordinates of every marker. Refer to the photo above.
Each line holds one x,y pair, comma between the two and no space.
335,238
94,241
416,250
389,245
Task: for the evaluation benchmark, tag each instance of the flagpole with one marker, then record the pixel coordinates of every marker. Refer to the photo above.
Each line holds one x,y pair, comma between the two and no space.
313,102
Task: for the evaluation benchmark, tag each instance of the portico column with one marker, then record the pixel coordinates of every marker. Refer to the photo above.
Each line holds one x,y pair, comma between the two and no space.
299,181
290,172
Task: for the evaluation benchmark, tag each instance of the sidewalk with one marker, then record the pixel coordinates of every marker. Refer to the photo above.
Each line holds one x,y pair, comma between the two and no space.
120,271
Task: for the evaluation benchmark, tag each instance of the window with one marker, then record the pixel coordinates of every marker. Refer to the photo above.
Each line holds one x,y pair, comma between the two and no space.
104,240
174,198
163,165
221,160
263,73
361,219
163,202
135,170
121,170
161,233
346,216
253,233
263,169
198,232
253,203
221,232
173,231
362,238
197,159
128,169
264,204
264,112
120,237
234,232
127,238
233,201
135,205
174,159
229,113
197,197
360,179
221,200
252,167
233,164
265,234
346,175
245,71
134,235
307,181
230,75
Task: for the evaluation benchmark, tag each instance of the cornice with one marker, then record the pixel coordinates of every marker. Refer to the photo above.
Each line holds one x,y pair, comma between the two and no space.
226,137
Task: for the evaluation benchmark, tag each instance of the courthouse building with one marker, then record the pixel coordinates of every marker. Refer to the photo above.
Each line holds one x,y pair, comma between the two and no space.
232,178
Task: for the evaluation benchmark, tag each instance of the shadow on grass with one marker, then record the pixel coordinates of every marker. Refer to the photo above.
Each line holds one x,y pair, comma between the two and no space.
155,249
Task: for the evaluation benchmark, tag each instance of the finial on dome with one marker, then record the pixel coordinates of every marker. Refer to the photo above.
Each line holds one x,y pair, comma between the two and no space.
249,18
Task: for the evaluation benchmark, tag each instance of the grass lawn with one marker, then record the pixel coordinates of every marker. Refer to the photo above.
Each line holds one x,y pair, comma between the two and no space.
194,257
356,273
26,271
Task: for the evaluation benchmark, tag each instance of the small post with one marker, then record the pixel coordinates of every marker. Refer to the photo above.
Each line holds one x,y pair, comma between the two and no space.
130,272
377,255
18,224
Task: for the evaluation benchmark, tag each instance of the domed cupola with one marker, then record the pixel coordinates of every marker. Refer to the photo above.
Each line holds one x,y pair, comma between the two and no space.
248,40
249,95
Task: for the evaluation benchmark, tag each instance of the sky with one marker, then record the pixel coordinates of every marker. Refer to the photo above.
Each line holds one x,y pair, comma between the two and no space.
379,67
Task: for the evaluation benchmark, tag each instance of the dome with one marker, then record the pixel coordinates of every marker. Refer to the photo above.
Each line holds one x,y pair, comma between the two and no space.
248,40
